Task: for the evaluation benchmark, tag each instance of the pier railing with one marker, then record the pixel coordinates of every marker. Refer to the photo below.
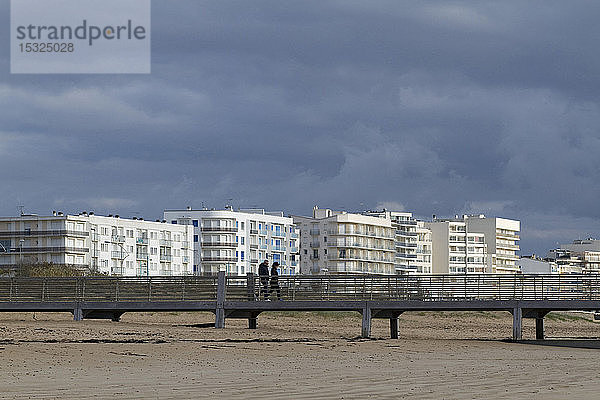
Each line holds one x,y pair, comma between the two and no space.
303,288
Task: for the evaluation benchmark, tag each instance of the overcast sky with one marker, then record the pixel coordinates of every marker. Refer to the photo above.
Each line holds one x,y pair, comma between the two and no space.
439,108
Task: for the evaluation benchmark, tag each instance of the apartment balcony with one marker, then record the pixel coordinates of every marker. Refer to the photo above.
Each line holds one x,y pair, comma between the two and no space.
185,259
253,246
293,236
94,237
407,234
218,229
405,244
57,249
141,256
263,247
315,232
219,244
185,244
509,236
315,244
294,263
262,232
293,250
218,259
254,231
278,248
165,242
254,261
508,246
277,234
406,256
93,253
313,257
117,239
141,240
118,254
59,232
410,222
166,257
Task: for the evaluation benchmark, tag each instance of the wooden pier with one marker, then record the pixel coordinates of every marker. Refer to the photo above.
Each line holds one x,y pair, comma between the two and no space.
374,296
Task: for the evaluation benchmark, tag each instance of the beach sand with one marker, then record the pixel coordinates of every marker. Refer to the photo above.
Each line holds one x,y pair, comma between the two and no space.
300,356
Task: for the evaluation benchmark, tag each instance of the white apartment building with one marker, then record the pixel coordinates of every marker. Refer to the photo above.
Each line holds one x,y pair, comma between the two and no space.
412,241
502,239
455,249
238,241
337,242
583,255
112,245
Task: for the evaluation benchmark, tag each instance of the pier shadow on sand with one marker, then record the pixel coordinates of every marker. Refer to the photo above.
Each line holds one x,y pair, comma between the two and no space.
580,343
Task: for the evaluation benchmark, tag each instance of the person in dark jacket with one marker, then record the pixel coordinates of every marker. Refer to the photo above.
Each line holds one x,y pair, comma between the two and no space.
263,273
275,280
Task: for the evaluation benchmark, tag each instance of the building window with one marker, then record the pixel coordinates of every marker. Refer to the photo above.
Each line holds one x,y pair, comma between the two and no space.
196,238
325,239
174,222
242,226
195,223
242,256
242,240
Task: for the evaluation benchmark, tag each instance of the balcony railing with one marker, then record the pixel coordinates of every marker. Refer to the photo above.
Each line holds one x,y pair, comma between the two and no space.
185,244
263,246
293,250
218,259
278,233
166,242
315,232
262,232
313,257
278,248
315,244
58,249
118,254
141,240
219,244
59,232
141,256
254,231
293,236
218,229
165,257
185,259
117,239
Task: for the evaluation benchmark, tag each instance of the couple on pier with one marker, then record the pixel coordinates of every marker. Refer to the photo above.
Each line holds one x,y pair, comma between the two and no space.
263,273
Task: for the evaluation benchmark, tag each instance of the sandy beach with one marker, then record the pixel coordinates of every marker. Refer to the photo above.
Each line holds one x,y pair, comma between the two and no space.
306,356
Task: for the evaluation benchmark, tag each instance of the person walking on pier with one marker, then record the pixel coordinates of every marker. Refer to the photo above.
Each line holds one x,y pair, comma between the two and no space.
275,280
263,273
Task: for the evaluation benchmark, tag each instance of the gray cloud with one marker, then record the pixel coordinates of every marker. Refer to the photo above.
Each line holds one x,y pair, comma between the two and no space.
438,107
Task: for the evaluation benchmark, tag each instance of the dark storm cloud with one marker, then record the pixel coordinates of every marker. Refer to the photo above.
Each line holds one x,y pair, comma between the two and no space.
437,107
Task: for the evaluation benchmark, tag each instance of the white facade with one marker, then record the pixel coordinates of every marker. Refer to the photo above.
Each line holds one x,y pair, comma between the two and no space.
531,265
238,241
336,242
112,245
412,241
502,239
455,249
588,251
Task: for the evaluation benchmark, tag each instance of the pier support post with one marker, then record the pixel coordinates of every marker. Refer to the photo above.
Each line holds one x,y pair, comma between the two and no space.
220,310
394,327
366,322
517,323
539,328
77,314
250,286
